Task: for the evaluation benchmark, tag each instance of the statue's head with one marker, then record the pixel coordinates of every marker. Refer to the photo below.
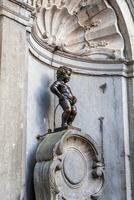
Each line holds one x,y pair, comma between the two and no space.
64,73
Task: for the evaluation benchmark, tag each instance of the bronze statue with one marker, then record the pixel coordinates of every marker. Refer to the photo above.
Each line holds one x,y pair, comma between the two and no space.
66,99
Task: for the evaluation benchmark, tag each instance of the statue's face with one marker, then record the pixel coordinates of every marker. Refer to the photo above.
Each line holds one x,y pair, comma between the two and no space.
67,76
64,74
66,79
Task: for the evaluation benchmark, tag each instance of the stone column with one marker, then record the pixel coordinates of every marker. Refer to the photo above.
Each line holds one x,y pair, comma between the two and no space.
14,18
130,85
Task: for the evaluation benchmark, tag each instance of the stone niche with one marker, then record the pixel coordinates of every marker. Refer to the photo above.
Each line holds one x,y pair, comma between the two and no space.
68,167
82,28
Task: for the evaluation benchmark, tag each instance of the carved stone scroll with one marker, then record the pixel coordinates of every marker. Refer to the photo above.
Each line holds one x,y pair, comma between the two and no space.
68,167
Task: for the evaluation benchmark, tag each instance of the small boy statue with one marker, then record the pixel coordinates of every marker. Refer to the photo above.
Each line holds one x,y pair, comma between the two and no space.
66,99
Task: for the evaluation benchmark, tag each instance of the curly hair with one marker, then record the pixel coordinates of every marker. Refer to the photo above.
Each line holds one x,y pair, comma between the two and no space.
63,72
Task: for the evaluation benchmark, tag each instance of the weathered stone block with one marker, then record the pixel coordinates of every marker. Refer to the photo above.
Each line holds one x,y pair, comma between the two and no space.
68,167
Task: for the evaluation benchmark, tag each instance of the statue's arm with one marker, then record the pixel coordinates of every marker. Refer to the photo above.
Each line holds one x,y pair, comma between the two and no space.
54,89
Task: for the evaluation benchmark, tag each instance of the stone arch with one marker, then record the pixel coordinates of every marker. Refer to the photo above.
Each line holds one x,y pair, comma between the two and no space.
125,21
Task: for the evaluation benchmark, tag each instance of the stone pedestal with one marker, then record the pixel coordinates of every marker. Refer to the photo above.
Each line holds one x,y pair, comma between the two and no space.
68,167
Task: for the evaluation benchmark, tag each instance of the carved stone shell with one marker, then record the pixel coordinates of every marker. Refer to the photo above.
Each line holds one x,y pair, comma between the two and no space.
87,28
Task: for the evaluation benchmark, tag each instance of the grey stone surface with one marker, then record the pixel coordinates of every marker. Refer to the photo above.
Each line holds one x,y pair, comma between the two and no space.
72,169
104,114
92,105
126,23
131,6
12,108
39,112
131,128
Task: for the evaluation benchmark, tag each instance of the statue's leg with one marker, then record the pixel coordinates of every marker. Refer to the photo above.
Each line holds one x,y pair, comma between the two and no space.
72,115
65,104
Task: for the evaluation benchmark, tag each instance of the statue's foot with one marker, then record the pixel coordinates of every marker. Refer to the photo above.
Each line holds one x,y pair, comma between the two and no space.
65,125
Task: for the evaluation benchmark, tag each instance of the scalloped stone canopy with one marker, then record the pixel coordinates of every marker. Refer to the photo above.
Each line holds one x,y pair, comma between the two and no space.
87,28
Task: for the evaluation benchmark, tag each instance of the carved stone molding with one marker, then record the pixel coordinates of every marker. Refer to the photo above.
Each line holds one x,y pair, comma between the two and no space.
79,27
68,167
17,11
131,6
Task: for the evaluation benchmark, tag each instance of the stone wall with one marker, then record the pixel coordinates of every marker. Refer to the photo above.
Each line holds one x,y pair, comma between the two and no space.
104,88
13,76
100,114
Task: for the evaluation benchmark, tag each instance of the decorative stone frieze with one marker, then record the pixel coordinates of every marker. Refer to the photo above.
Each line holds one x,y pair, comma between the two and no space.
68,167
79,27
